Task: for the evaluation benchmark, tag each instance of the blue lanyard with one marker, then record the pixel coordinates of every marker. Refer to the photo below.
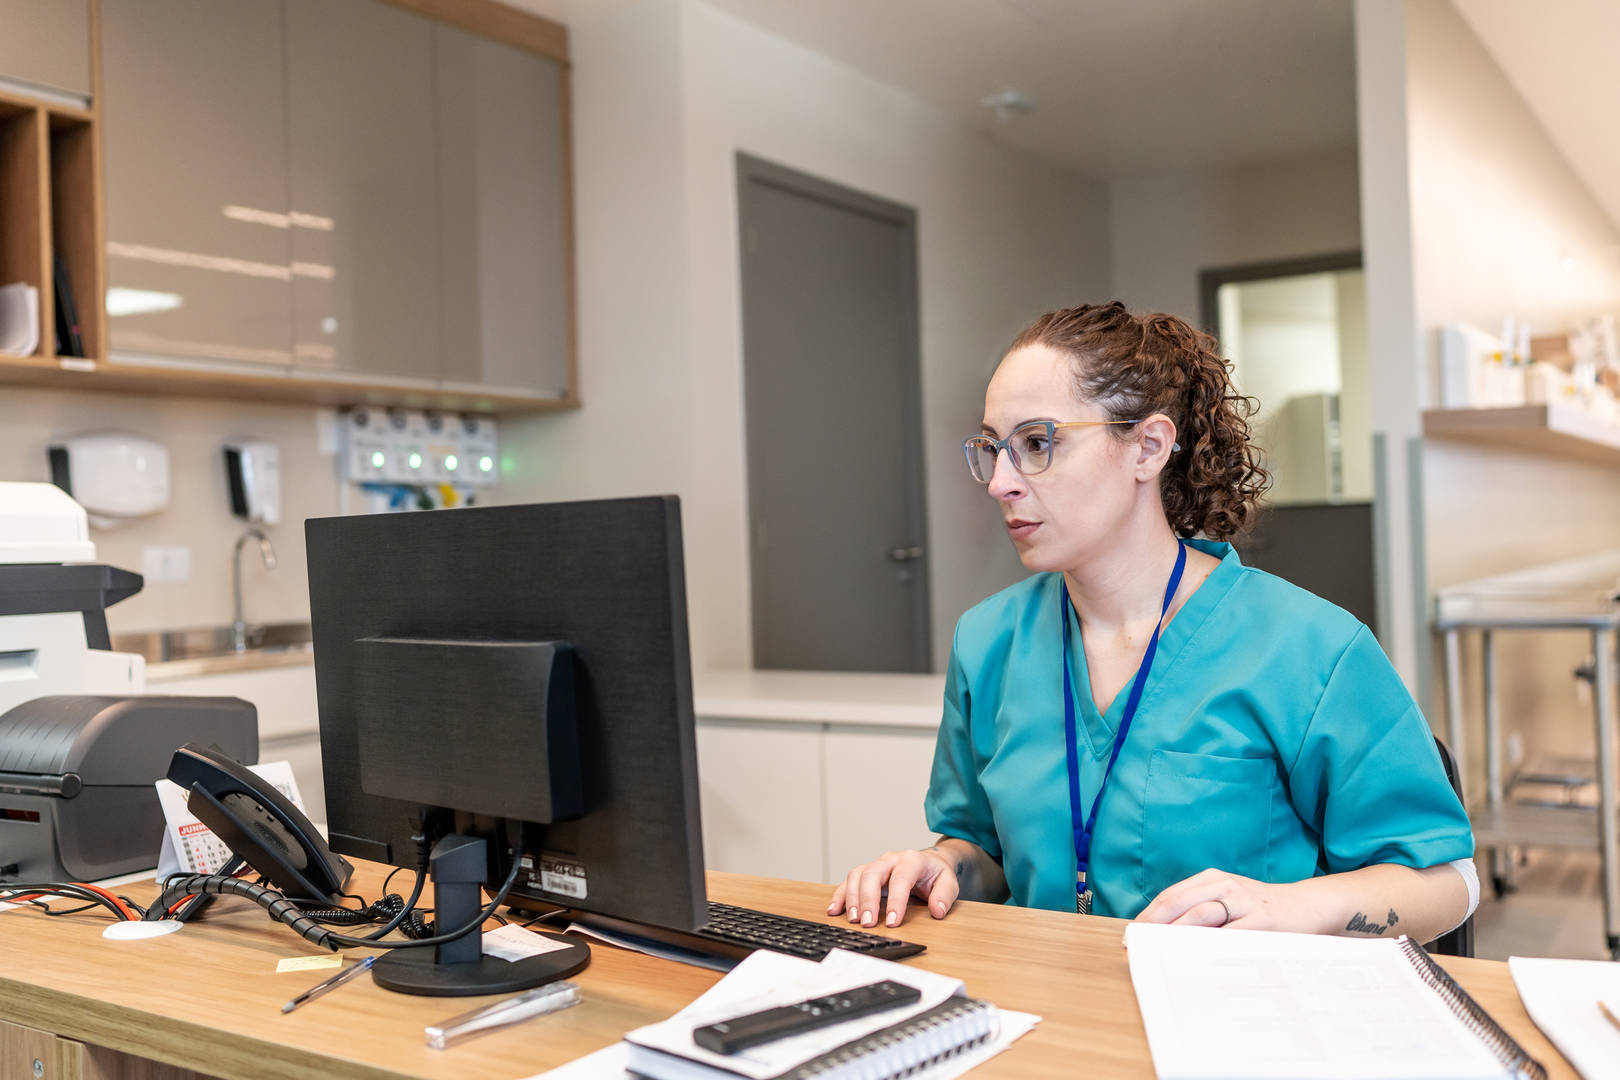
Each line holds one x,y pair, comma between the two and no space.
1083,828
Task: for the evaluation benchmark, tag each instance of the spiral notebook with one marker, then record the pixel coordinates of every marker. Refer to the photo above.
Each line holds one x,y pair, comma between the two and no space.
1250,1003
942,1029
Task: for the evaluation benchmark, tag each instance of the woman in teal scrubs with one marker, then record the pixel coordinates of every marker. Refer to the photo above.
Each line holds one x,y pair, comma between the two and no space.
1147,728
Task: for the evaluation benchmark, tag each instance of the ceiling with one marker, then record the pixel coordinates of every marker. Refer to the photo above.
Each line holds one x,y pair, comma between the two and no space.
1561,56
1119,85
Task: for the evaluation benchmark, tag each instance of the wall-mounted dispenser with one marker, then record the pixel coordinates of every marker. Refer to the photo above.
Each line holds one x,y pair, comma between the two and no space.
253,478
115,475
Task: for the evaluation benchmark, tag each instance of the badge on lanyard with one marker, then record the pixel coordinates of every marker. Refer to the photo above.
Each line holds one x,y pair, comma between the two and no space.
1084,825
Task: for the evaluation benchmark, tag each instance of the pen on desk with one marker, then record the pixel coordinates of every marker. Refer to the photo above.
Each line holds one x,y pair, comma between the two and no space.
543,999
328,984
1611,1011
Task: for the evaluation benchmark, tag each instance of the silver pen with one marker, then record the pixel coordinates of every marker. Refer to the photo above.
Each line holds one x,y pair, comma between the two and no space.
328,984
542,999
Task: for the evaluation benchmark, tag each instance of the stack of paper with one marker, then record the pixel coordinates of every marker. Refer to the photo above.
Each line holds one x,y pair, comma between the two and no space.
766,979
1223,1003
19,320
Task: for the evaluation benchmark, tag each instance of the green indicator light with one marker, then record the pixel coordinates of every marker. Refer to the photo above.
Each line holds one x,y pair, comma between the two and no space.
486,463
377,459
416,460
451,461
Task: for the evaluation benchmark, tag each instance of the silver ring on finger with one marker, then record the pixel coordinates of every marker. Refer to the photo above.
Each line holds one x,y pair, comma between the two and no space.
1226,912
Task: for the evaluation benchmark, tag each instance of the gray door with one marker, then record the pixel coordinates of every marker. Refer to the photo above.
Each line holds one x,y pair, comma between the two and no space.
835,484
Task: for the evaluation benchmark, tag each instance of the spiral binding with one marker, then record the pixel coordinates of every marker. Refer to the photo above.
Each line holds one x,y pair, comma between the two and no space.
1473,1015
954,1025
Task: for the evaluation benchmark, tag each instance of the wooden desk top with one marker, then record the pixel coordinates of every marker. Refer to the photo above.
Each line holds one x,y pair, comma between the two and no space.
208,998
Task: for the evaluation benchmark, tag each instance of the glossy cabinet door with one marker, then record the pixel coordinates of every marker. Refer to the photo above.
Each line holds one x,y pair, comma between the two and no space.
194,127
505,283
364,189
46,44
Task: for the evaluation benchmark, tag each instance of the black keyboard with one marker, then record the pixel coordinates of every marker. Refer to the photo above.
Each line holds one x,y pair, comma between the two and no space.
737,931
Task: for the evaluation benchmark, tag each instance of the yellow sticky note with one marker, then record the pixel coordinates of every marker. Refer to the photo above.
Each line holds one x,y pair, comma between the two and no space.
309,963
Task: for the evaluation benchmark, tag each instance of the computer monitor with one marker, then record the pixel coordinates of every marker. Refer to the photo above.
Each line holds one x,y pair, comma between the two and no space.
442,650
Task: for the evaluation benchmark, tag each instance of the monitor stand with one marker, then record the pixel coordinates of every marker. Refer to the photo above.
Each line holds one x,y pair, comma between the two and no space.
459,866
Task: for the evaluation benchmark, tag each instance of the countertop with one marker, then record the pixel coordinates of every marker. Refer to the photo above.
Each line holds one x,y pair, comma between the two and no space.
252,660
809,697
1580,592
820,697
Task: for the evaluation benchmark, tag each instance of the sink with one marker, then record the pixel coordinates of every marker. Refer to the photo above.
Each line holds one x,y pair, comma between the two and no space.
201,643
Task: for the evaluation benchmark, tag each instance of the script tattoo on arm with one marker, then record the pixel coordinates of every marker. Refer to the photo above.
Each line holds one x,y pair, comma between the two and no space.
1360,924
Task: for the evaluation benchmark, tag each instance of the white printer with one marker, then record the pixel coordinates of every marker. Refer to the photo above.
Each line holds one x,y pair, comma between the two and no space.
80,745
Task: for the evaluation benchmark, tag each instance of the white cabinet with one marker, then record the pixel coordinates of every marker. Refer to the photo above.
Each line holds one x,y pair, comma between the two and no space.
809,801
761,788
289,724
876,779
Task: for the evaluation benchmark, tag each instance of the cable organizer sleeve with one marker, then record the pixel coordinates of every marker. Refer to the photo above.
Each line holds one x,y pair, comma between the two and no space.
954,1025
1513,1057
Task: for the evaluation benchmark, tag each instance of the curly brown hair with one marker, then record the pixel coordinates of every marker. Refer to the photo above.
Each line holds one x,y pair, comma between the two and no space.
1134,366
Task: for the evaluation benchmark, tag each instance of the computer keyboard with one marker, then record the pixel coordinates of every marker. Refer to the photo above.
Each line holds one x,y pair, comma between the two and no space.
734,932
798,937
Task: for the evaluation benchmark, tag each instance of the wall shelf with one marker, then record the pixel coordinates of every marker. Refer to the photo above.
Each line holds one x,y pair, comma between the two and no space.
1550,429
325,388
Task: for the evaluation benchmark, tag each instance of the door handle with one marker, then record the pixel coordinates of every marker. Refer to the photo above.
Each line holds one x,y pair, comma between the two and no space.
905,554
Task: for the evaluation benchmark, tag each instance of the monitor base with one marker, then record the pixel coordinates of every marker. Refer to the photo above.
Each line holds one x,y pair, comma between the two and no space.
416,971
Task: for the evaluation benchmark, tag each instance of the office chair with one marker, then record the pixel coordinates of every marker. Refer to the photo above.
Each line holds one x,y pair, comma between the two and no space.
1458,942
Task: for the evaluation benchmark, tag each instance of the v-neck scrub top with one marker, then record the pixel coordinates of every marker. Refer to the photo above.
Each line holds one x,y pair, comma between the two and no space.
1273,740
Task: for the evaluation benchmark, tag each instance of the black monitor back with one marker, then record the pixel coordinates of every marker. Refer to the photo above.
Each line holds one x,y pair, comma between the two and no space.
607,578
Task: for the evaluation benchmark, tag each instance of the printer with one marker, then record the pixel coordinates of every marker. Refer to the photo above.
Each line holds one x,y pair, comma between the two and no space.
80,745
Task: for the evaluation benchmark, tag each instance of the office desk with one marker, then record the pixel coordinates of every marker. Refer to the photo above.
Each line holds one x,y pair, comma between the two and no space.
208,999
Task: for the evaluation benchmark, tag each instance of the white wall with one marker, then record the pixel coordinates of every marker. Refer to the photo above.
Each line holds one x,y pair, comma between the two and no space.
199,513
1355,385
666,93
1472,214
1502,223
1167,225
1001,238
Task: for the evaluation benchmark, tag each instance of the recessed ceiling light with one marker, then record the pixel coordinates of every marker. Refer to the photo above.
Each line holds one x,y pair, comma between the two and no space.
1009,103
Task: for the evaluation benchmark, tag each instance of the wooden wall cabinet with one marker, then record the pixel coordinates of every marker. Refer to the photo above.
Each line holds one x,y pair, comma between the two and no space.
505,246
360,151
198,236
45,45
321,200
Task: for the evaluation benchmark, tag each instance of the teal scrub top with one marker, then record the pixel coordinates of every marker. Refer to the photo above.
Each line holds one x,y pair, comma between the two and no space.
1273,740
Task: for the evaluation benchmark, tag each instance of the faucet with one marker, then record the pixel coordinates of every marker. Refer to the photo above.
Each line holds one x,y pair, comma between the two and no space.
266,552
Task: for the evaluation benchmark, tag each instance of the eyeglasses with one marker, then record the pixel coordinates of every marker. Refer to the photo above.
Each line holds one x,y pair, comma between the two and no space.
1029,445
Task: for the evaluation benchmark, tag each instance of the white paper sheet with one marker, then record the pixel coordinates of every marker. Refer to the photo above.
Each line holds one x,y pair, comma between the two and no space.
1561,996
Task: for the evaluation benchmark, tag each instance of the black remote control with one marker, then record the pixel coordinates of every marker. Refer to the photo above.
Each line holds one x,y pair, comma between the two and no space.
751,1029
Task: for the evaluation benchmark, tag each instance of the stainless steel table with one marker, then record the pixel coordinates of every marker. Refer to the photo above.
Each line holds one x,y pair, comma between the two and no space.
1500,824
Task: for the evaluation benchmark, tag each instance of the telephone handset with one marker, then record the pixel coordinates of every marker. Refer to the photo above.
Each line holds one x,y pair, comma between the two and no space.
259,824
